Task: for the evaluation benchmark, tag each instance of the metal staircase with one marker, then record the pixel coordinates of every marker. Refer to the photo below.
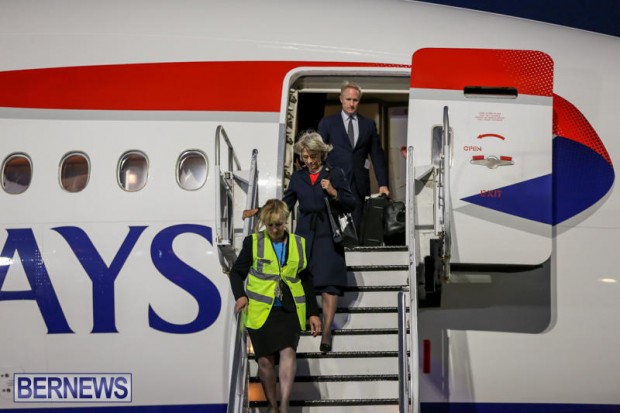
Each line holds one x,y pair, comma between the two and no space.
361,374
374,363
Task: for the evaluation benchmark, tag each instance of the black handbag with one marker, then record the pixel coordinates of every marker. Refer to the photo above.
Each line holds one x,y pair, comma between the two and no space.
343,228
394,218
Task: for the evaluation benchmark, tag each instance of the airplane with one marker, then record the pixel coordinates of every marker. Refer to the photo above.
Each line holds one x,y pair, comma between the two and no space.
133,134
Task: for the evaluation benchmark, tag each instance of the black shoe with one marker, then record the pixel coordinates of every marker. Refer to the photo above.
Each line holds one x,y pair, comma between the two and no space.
326,346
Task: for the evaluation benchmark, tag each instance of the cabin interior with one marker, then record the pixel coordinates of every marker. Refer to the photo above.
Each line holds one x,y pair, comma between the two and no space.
385,99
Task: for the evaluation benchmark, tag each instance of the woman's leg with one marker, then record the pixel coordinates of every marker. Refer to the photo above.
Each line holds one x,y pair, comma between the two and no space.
288,368
330,302
267,374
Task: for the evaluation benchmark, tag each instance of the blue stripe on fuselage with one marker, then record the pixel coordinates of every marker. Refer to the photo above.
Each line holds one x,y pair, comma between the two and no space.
581,177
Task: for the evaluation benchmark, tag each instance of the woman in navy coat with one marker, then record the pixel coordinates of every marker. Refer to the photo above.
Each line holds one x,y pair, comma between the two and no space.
309,187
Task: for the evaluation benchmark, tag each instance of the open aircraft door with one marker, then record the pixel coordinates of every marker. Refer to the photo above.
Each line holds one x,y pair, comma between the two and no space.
480,122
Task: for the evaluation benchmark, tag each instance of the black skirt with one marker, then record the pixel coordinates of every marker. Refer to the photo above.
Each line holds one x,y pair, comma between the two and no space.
281,330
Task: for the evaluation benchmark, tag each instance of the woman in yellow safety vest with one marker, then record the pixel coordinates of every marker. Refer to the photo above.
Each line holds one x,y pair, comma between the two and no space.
278,298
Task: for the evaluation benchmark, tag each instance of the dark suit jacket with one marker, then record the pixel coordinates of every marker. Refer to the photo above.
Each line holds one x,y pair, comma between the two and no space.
352,160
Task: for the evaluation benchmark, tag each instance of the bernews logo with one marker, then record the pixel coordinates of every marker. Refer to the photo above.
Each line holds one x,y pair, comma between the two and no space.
82,387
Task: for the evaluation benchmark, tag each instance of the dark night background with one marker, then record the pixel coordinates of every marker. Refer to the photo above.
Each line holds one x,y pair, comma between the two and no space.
602,16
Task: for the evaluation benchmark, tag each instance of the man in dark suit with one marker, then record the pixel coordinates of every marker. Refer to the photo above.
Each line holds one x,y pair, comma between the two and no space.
354,137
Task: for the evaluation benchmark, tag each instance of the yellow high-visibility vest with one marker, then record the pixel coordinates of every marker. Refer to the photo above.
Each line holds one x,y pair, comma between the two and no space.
266,273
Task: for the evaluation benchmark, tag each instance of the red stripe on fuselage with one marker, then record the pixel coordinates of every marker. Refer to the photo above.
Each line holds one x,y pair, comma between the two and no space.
254,86
570,123
529,71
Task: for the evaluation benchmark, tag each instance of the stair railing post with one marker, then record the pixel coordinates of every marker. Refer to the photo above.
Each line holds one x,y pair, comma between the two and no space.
404,397
252,199
233,161
414,345
238,400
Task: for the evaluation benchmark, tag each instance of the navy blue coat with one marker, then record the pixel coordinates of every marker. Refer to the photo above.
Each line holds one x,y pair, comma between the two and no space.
326,259
353,160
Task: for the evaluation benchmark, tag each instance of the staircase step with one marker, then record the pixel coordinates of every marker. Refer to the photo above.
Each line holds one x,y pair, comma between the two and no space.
336,390
338,378
375,276
336,406
374,256
342,363
366,310
365,320
384,341
368,296
378,267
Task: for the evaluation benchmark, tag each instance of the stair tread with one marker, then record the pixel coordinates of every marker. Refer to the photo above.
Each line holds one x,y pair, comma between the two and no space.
358,331
367,310
339,378
370,288
378,267
377,248
348,354
333,402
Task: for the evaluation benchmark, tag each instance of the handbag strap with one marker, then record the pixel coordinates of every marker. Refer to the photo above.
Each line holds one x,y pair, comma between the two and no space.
332,222
337,233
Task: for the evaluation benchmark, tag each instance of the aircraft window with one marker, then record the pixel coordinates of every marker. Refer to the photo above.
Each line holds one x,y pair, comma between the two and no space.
192,170
74,172
16,173
133,171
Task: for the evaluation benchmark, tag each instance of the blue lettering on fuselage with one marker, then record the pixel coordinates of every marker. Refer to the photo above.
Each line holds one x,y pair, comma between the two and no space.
200,287
21,242
102,276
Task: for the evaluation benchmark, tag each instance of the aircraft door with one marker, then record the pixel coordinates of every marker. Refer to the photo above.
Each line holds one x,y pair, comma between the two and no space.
480,122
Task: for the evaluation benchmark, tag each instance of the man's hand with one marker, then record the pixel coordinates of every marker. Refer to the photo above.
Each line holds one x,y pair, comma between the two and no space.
384,190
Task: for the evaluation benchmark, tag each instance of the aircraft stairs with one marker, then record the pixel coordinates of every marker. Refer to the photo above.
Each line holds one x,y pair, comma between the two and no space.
370,368
361,374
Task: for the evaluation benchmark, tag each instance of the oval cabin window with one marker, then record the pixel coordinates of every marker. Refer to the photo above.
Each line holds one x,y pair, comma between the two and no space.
133,171
74,172
192,170
16,173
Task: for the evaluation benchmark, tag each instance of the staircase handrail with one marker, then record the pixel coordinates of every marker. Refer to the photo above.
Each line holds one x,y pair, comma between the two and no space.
238,400
404,396
409,392
447,161
237,394
220,133
251,201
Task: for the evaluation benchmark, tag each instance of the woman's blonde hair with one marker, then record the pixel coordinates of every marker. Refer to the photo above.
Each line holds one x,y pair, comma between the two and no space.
312,141
273,211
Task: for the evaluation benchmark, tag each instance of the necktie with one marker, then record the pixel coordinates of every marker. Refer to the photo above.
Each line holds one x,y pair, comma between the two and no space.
351,132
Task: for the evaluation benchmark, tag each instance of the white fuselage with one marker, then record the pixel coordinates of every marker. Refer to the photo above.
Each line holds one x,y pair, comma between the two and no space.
570,359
